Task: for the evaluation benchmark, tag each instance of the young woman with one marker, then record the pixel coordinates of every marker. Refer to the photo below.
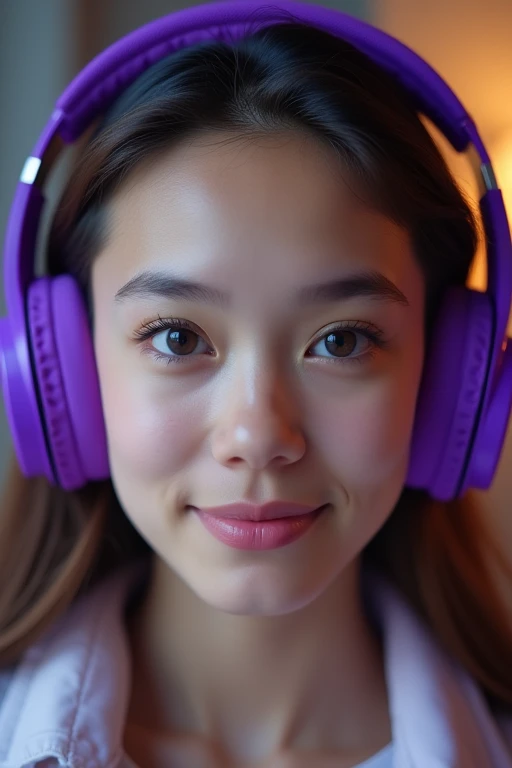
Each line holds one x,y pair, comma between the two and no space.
263,232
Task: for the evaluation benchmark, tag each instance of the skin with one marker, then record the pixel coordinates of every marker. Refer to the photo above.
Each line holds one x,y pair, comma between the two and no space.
258,419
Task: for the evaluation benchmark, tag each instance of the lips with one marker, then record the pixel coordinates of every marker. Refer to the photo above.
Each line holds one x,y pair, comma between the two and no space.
268,527
273,510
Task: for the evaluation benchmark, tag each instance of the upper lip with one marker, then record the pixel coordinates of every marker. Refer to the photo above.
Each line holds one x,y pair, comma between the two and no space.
272,510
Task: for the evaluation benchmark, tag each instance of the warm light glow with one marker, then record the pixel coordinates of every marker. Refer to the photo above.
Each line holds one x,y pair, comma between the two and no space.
501,157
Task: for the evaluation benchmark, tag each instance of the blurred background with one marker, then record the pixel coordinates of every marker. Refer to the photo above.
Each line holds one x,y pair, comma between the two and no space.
44,43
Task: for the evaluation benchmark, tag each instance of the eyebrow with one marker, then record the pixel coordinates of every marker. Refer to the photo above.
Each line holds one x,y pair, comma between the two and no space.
150,284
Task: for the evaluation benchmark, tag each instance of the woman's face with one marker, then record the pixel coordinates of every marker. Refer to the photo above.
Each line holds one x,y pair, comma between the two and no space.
256,395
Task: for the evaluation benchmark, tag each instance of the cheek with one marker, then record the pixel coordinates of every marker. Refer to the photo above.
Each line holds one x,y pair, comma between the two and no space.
146,437
366,435
150,426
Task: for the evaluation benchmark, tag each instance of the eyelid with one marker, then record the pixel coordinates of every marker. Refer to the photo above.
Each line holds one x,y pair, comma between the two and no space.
363,327
152,327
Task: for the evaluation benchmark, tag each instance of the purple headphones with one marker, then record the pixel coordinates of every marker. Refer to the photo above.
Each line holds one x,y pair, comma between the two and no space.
48,367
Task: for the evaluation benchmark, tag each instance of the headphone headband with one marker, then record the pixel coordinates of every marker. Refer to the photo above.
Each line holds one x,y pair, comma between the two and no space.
109,73
99,84
106,76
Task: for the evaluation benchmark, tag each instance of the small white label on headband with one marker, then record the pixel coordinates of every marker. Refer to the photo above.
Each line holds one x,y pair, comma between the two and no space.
30,170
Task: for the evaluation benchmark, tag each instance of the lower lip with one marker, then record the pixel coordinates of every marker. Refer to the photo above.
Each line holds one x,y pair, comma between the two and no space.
263,535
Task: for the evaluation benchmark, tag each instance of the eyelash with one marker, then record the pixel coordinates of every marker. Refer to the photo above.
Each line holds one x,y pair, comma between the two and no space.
154,327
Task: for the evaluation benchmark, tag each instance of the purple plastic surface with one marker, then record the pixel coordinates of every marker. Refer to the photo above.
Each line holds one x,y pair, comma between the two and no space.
78,367
460,424
446,415
497,399
47,367
21,405
18,389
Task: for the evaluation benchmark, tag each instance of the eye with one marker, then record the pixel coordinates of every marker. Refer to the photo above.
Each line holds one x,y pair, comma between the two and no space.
171,340
348,343
179,341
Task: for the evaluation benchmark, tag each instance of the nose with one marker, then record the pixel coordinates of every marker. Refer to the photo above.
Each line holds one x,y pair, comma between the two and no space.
259,424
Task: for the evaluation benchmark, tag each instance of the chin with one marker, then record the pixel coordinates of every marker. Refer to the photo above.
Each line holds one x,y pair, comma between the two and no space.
250,595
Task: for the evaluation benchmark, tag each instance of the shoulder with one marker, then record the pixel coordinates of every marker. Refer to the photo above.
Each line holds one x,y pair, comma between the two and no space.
438,710
83,657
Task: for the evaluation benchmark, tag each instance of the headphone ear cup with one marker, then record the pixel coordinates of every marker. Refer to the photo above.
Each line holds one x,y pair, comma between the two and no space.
50,386
451,393
67,382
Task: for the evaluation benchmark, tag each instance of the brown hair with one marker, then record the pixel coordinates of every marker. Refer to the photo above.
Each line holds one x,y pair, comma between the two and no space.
54,545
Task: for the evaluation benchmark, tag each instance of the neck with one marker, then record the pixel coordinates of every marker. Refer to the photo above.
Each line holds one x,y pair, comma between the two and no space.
310,678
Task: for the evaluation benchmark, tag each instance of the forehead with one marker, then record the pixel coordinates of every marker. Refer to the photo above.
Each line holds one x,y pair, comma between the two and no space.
273,209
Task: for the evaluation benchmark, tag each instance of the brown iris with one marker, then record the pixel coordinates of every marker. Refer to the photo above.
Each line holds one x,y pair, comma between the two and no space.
182,341
341,343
